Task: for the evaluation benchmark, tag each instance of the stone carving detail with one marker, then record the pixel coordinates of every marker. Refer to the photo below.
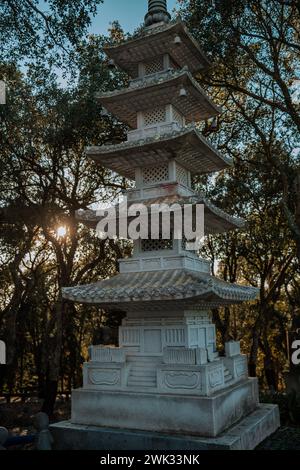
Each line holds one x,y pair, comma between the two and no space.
215,378
104,376
201,356
241,367
175,336
183,380
155,174
179,356
130,336
106,355
155,115
156,245
182,175
154,131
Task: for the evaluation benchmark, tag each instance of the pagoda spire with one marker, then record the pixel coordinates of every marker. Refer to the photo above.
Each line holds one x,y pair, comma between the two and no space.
157,12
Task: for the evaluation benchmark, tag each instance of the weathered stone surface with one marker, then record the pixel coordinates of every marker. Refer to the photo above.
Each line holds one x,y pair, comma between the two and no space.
189,287
161,88
237,366
186,414
104,375
188,145
232,348
245,435
107,354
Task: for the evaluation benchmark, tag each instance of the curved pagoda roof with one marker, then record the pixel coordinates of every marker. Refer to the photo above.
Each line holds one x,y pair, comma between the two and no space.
215,220
160,290
156,41
162,89
187,147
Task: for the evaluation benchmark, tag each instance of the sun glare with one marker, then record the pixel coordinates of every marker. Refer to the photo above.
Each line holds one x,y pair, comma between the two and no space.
61,232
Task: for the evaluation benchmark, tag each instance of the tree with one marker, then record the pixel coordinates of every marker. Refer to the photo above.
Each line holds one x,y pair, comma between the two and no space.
255,48
46,178
262,256
31,33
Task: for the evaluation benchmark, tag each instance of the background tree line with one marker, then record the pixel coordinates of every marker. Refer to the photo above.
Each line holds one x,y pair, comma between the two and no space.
53,70
254,46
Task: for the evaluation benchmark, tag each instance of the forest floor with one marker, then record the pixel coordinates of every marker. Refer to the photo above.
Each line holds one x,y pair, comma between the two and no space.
18,418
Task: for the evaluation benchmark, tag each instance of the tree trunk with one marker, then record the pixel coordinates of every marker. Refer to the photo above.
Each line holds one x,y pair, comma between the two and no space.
253,353
50,397
270,373
269,365
54,362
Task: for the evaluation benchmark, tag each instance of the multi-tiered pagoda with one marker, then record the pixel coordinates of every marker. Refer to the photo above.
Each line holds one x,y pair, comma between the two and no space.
166,376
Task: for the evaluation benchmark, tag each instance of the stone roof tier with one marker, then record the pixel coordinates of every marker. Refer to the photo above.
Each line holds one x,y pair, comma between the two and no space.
187,147
153,42
159,290
178,88
215,220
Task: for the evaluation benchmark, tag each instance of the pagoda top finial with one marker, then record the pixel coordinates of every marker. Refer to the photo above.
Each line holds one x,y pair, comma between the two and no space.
157,12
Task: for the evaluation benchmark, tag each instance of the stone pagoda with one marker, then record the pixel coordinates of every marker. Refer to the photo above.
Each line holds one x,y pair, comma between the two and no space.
166,381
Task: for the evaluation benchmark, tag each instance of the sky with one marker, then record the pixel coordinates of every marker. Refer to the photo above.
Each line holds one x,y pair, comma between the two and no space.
129,13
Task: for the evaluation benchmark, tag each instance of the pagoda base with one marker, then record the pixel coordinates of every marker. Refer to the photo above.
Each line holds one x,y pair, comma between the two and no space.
245,435
167,413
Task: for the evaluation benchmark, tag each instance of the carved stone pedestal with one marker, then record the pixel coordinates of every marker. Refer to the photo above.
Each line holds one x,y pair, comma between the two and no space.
164,412
166,377
245,435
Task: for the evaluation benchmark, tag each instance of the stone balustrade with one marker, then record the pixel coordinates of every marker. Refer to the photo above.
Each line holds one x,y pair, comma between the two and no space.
196,356
152,131
107,354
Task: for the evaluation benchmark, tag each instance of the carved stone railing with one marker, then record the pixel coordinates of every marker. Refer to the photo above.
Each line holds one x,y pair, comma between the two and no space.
197,356
153,78
106,354
153,130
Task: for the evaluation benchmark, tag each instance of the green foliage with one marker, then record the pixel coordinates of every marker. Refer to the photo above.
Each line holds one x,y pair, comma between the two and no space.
32,31
254,49
46,178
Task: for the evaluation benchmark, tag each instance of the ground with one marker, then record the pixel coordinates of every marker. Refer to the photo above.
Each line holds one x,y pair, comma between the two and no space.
286,438
18,418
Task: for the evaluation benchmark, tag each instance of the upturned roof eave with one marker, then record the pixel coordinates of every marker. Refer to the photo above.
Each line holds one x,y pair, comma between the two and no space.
159,82
175,286
115,50
102,153
226,222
